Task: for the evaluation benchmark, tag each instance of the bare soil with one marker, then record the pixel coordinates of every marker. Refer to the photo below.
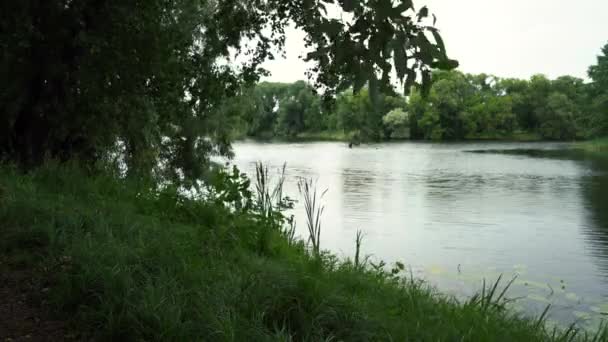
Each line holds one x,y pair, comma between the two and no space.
24,311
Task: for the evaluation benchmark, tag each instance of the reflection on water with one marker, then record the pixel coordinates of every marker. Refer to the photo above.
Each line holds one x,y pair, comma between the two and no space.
456,217
595,192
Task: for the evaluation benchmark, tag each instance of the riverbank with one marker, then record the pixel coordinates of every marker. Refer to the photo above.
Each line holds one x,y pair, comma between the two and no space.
594,145
122,263
508,137
304,136
350,136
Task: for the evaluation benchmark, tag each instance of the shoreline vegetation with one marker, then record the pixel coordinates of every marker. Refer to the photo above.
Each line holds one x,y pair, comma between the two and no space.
338,136
457,107
112,208
120,261
598,145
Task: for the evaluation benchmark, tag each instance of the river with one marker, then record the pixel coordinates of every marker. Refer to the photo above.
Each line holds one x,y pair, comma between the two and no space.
459,213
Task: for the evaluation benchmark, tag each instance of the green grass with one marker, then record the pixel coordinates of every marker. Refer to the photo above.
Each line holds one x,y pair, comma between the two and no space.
346,136
325,136
127,264
594,145
514,136
307,136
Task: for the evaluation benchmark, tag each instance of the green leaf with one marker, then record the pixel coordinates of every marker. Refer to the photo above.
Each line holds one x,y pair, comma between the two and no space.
360,79
439,41
383,8
445,64
423,13
317,54
373,88
332,27
349,5
399,59
426,49
426,82
403,6
410,81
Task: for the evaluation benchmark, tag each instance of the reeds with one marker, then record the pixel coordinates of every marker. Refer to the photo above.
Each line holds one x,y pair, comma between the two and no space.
313,210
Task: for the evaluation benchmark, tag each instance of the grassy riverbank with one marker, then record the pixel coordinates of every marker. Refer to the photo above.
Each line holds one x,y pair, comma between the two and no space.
351,136
325,136
117,262
595,145
509,137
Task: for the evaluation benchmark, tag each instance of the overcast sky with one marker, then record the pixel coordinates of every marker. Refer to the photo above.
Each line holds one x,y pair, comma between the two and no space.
515,38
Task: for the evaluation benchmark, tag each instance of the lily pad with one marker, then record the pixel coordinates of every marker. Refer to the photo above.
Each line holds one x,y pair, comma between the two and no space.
538,298
530,283
572,296
581,314
601,308
436,270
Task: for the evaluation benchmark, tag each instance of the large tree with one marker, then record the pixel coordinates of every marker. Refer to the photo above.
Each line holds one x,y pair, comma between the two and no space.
599,92
144,80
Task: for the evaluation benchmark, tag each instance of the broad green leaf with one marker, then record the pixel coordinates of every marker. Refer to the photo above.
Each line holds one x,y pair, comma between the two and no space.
423,13
383,8
332,27
438,40
426,51
445,64
410,81
403,6
349,5
399,59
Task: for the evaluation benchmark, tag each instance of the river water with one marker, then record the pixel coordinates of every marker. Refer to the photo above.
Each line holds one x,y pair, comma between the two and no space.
456,214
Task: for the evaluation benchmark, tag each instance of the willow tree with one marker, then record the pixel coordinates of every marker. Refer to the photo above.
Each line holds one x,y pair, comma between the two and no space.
90,79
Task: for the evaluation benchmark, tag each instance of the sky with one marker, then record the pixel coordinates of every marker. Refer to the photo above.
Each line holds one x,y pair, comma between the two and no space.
506,38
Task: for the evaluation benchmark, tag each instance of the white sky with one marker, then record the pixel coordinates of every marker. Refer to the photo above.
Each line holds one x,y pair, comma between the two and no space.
507,38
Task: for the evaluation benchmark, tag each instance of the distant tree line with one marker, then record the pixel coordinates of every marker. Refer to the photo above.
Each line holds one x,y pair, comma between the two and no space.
458,106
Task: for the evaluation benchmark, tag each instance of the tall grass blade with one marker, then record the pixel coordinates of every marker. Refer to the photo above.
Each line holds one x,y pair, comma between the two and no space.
358,241
542,317
313,210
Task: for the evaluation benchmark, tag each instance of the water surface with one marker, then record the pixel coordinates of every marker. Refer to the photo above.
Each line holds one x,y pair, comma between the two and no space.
456,217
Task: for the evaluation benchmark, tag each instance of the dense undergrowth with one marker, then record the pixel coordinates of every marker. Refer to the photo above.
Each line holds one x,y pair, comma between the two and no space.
130,264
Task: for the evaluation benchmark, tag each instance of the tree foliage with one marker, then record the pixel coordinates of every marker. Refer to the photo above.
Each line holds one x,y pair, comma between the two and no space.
458,106
293,109
464,106
148,80
599,91
396,123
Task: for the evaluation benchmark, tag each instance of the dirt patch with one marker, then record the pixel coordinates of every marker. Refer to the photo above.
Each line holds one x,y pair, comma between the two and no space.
24,313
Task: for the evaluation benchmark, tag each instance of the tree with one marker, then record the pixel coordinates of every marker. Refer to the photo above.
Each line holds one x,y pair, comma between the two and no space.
445,114
355,112
598,123
157,73
417,106
396,123
492,115
522,106
351,110
262,116
558,117
299,110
